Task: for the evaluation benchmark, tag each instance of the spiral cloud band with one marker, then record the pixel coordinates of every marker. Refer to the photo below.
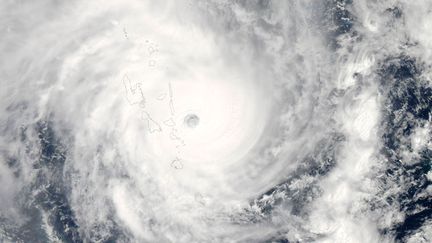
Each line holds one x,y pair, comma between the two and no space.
215,121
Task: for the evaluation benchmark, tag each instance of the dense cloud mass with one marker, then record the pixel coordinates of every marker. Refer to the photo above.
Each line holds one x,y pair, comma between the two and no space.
216,121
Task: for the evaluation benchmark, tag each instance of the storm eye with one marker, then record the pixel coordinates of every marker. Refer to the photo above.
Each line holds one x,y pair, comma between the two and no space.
191,120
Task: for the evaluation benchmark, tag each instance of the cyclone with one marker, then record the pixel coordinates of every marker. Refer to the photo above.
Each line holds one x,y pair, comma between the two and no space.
215,121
